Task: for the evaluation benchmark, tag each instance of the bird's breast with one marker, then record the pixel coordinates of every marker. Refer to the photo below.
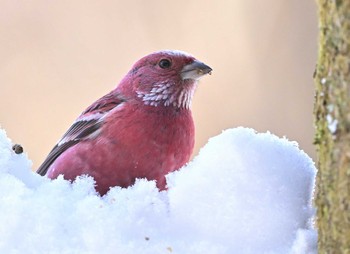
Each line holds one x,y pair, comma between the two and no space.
148,142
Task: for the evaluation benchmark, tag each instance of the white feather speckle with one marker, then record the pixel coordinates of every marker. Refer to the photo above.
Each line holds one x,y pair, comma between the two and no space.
168,94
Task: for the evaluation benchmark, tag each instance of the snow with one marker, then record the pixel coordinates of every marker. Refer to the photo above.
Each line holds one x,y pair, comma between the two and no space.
245,192
332,123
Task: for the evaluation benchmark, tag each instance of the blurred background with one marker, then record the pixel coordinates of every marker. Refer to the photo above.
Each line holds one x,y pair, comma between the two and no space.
57,57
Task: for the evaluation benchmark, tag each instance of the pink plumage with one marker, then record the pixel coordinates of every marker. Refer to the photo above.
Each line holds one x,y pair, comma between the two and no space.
141,129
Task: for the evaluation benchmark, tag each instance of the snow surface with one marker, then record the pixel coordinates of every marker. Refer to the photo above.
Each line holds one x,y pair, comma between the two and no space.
245,192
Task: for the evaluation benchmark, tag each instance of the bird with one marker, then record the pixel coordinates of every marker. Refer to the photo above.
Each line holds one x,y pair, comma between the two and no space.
143,128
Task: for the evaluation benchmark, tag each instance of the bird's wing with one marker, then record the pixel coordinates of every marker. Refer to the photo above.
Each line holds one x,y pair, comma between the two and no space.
104,104
86,126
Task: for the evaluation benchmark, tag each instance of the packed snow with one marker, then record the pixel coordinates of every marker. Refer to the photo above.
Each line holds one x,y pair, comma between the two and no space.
245,192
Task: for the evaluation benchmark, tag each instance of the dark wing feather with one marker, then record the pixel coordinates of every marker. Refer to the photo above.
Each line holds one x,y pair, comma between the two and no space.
77,132
104,104
55,152
85,125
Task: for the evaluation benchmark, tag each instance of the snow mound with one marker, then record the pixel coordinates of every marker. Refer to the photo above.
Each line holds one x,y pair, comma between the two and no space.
245,192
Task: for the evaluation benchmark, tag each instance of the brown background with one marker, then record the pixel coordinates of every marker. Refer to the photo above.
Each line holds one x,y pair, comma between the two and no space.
57,57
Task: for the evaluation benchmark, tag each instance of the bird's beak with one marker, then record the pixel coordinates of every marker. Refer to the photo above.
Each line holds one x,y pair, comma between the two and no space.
195,70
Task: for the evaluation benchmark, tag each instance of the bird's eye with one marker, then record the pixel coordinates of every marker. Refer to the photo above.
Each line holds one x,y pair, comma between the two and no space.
164,63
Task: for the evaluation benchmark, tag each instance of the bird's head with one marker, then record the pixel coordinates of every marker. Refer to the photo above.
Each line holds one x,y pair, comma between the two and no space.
165,78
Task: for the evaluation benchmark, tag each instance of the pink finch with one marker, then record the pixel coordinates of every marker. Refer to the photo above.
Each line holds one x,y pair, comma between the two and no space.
141,129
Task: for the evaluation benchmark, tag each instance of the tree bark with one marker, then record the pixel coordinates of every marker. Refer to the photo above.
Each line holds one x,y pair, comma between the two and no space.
332,117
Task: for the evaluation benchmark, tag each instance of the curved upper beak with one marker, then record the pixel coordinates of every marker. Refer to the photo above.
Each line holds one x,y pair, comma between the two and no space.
195,70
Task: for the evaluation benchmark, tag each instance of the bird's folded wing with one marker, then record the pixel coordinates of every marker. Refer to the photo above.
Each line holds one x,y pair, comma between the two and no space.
104,104
86,126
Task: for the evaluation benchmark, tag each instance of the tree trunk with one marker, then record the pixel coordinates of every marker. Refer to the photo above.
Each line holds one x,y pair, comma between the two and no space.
332,115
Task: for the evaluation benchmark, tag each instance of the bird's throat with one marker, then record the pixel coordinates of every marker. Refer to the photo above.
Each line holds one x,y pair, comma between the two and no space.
169,95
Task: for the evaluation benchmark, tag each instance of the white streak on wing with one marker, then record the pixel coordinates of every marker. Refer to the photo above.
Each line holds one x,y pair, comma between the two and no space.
99,116
94,134
90,117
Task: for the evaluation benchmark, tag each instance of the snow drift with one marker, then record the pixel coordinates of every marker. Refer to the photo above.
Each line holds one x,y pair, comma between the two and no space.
245,192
